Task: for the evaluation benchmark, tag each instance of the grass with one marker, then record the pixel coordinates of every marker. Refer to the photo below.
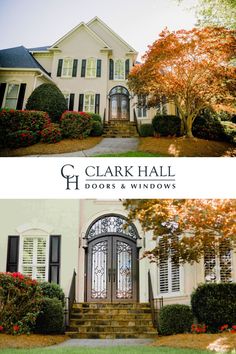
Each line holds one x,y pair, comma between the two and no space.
108,350
64,146
131,154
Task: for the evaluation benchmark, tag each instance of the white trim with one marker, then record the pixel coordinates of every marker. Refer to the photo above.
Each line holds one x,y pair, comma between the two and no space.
115,61
5,94
34,225
94,95
91,77
63,62
30,70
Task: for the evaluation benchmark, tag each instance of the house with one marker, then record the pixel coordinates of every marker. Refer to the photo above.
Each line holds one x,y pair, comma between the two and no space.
90,65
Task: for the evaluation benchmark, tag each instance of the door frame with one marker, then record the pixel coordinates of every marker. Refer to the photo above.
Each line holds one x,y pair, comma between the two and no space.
119,91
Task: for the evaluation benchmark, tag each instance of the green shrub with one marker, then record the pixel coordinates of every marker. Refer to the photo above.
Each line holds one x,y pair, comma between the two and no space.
52,290
76,125
20,301
51,134
50,318
214,304
48,98
230,131
175,319
96,117
97,128
208,126
146,130
21,138
166,125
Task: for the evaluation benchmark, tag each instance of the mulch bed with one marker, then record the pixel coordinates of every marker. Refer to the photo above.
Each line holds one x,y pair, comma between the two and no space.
30,341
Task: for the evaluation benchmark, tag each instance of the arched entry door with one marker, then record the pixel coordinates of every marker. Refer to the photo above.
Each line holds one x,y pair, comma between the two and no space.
112,260
119,103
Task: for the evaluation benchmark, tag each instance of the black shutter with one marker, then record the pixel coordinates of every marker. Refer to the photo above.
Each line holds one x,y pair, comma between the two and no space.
71,102
126,68
21,96
59,68
111,69
83,68
54,258
12,253
99,67
97,103
75,65
2,92
81,102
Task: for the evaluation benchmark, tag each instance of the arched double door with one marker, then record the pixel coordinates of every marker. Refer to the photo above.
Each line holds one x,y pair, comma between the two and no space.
119,103
112,260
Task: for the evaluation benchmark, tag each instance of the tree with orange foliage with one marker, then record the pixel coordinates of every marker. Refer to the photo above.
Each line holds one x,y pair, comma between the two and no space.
194,226
191,68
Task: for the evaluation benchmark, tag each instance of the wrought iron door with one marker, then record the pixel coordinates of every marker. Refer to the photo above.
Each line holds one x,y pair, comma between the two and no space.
112,269
119,103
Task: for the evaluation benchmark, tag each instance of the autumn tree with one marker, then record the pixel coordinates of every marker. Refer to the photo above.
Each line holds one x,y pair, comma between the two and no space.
193,225
190,68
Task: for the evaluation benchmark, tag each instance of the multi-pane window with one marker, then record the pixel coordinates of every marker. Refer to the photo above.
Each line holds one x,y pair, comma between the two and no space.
67,67
89,102
218,268
67,98
142,106
119,72
12,96
169,271
91,67
34,257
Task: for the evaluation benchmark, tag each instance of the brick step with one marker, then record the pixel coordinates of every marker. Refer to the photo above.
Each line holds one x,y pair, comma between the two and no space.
110,335
111,329
110,322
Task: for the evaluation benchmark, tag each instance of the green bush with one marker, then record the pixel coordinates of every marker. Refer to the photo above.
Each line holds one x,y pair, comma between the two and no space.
175,319
97,128
96,117
21,138
50,318
52,290
20,301
48,98
230,131
75,125
214,304
166,125
146,130
208,126
51,134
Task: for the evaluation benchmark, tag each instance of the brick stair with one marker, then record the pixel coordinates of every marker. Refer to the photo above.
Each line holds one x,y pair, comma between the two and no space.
106,320
120,129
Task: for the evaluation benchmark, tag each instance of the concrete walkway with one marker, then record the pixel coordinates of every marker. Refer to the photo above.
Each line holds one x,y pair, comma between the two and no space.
96,343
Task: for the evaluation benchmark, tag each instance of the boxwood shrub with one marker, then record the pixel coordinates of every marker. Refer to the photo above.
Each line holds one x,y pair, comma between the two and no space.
208,126
96,117
75,125
50,318
146,130
175,319
97,128
52,290
166,125
214,304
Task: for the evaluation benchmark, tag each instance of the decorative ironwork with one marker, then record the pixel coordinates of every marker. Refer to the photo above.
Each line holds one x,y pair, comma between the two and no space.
124,271
99,267
112,224
119,90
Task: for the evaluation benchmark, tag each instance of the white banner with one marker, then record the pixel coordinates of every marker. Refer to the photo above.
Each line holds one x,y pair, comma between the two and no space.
112,178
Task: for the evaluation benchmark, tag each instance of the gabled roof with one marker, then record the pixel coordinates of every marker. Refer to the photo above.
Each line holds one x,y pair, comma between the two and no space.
19,57
92,33
39,49
114,34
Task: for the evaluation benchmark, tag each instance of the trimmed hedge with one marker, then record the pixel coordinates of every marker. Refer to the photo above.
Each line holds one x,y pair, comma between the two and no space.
215,304
50,319
97,128
21,138
51,134
166,125
96,117
208,126
48,98
52,290
75,125
146,130
175,319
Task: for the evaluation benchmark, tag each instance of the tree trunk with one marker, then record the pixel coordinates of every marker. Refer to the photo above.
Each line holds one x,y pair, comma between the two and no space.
189,125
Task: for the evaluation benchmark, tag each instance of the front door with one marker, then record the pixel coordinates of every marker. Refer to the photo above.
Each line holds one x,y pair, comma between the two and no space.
112,269
119,107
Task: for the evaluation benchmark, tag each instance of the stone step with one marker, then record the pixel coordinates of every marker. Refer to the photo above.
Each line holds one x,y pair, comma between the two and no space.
110,322
114,305
111,329
110,335
128,317
112,311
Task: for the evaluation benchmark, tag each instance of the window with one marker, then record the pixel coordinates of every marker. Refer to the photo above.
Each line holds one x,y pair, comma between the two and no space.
91,68
169,272
142,106
34,257
89,102
119,69
162,107
12,96
67,98
218,268
67,67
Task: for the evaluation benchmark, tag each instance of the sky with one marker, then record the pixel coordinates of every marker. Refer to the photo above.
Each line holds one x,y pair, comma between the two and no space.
34,23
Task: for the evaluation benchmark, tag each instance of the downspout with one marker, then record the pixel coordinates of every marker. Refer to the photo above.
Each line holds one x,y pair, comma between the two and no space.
35,79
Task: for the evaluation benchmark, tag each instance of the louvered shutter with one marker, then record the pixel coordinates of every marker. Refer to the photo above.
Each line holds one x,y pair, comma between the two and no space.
34,257
59,67
111,69
21,96
71,102
97,103
81,102
2,92
225,262
83,68
99,67
210,266
54,258
163,269
75,65
126,68
12,254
